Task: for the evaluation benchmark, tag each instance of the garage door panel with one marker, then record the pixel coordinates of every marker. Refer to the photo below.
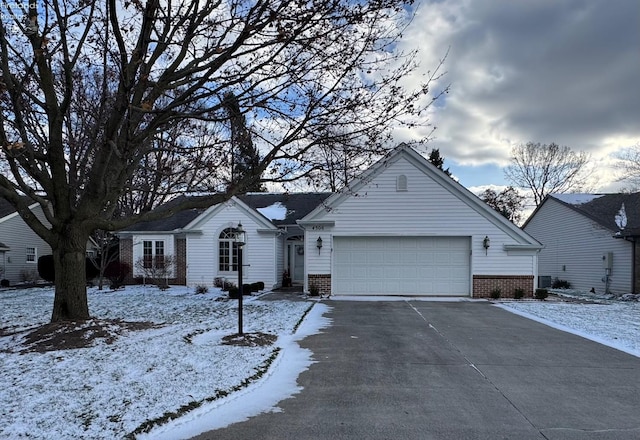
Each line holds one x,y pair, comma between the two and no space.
401,266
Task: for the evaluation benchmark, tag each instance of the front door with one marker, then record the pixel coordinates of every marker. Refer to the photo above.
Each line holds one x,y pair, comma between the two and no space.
294,259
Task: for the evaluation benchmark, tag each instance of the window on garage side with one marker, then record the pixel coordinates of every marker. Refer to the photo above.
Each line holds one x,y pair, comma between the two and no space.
227,251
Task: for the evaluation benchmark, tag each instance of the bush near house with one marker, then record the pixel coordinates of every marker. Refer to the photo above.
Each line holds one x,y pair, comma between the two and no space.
518,293
541,294
46,269
560,284
496,293
116,272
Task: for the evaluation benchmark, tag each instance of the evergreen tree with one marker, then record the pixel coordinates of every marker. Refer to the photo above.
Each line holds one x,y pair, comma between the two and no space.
438,161
245,159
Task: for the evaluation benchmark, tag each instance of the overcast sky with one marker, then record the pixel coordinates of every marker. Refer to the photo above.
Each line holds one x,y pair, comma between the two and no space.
564,71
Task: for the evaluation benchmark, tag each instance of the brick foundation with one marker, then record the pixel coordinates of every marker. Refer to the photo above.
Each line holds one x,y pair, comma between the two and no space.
484,284
323,282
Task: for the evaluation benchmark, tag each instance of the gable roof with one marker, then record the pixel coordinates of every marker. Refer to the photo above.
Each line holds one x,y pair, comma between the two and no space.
294,206
603,208
422,164
297,205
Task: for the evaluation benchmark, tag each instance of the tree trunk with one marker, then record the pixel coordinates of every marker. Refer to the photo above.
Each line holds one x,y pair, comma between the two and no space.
70,303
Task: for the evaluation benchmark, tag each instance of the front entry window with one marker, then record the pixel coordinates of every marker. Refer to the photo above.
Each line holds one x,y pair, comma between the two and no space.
227,251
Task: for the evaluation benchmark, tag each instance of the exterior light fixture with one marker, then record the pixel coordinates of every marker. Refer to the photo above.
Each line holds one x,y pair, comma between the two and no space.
319,244
485,244
240,240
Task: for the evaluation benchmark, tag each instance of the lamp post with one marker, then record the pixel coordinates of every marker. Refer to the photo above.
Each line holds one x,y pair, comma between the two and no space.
240,241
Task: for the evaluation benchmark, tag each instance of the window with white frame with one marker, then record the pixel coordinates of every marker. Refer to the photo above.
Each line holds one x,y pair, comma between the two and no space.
153,254
227,251
31,254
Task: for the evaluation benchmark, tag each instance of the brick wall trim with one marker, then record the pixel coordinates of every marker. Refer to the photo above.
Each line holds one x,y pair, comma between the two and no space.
484,284
322,281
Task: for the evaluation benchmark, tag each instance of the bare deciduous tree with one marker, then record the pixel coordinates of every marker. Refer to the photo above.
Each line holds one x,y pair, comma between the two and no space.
547,168
103,104
629,161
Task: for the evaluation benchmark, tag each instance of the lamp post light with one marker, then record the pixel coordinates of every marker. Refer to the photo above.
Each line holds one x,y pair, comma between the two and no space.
240,239
319,244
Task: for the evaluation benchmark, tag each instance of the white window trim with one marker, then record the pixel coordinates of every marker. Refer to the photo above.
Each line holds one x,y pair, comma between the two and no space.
35,255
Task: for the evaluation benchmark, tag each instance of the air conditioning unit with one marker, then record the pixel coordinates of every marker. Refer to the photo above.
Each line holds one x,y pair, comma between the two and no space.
544,282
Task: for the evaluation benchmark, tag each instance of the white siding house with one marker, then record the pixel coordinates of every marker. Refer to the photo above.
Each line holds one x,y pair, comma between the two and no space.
20,247
583,244
403,228
201,242
406,228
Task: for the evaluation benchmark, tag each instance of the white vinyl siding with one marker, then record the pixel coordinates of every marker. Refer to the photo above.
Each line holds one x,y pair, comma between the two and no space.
425,209
258,252
574,246
401,266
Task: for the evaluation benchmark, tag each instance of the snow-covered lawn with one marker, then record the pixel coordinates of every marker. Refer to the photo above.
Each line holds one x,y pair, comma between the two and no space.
609,322
112,388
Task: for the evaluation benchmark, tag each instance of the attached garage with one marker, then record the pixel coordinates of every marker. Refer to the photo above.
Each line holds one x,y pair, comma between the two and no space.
420,266
406,228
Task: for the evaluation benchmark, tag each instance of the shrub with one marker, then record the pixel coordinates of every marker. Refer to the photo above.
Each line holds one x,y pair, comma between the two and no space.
46,269
4,282
234,292
314,290
496,293
541,294
256,287
29,276
116,272
226,286
246,289
560,284
518,293
201,288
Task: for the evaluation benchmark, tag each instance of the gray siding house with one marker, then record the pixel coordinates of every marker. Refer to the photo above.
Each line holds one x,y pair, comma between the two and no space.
20,247
590,240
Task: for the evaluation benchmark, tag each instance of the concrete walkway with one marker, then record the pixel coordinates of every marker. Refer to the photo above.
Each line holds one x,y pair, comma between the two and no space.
437,370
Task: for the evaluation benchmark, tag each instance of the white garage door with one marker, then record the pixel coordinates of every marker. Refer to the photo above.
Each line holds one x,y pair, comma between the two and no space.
428,266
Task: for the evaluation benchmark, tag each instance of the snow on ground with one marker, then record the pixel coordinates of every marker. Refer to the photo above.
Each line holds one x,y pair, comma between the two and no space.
107,391
609,322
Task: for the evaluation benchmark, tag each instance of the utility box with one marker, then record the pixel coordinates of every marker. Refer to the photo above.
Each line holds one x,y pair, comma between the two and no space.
607,260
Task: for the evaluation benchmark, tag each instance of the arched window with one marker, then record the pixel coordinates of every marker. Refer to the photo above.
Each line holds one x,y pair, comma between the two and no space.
227,251
401,183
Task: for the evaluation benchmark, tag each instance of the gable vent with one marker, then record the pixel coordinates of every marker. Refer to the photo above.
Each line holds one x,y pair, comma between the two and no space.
401,183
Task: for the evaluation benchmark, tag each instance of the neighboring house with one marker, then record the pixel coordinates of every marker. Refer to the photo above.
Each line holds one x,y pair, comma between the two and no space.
590,240
403,228
20,247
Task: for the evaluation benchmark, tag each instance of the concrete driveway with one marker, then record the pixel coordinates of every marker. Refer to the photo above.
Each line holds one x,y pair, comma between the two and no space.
463,370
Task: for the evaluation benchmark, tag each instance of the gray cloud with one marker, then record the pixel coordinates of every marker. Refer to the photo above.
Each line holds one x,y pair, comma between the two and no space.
564,71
